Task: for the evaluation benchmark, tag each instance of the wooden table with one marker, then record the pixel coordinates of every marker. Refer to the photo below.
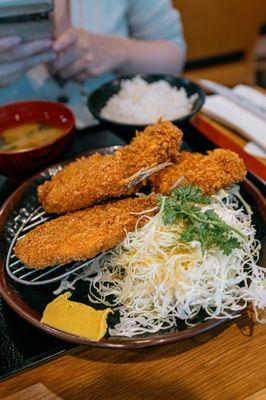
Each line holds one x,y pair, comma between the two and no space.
228,363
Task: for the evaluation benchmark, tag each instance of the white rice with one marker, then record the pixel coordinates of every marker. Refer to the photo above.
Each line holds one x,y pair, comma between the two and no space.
140,102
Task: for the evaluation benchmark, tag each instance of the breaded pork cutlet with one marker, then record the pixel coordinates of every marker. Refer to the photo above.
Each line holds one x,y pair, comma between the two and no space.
83,234
218,169
90,180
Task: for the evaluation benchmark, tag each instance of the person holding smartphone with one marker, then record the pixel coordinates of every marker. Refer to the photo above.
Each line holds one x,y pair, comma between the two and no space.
93,41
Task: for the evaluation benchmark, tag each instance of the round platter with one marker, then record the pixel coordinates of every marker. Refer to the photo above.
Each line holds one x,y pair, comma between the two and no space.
30,302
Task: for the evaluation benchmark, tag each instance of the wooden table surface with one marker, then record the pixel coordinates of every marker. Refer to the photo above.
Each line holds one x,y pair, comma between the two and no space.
228,363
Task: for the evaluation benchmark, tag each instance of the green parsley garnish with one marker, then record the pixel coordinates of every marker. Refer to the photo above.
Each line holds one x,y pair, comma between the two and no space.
203,226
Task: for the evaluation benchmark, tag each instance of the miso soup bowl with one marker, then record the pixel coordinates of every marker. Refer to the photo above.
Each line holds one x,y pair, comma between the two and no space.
19,164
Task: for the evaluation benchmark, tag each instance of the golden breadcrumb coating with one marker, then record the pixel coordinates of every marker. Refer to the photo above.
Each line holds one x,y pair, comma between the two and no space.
219,169
90,180
82,183
162,180
83,234
156,144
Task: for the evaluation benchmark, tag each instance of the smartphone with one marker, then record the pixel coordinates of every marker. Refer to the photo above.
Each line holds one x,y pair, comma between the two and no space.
27,18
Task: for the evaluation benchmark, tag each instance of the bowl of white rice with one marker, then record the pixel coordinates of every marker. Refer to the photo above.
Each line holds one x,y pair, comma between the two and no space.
132,102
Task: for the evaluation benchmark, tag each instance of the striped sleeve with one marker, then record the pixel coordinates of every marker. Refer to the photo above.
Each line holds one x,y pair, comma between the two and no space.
155,20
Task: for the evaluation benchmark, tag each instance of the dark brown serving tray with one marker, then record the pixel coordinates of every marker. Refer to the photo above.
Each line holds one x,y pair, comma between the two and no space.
30,302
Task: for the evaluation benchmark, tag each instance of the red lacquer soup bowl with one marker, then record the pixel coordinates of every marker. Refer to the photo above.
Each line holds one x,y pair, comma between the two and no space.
18,164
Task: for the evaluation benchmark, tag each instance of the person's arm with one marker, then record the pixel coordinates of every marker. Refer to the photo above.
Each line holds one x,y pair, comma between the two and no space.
156,45
94,55
17,57
151,56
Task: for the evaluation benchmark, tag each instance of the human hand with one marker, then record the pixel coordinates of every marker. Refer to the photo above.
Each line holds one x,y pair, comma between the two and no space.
82,55
17,57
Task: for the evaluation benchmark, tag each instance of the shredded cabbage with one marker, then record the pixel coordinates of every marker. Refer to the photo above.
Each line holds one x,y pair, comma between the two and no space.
155,278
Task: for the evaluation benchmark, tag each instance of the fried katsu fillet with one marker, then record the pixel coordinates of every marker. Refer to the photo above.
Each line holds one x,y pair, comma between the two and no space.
90,180
218,169
83,234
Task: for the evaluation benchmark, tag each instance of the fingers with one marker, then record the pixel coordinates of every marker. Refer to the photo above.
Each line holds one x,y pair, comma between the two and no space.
11,71
17,58
77,67
26,50
86,73
72,70
8,42
81,70
48,56
65,40
65,58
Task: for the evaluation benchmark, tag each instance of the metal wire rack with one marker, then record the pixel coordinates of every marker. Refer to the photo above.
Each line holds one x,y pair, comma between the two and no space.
17,271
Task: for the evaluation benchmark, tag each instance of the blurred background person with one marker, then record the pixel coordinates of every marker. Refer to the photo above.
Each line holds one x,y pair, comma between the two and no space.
93,41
